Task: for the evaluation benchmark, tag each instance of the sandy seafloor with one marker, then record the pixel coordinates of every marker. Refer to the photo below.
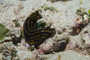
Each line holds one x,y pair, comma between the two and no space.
63,17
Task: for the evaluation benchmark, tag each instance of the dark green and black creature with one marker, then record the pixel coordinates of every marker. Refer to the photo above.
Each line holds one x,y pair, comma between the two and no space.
33,35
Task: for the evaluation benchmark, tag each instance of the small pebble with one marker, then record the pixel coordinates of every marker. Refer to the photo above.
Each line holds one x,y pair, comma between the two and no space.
55,47
46,48
85,17
62,46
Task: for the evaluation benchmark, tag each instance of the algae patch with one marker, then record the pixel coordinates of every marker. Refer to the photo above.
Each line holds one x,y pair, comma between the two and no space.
3,32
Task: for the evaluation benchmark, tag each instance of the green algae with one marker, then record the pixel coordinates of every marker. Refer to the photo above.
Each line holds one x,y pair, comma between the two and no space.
41,24
89,11
51,8
3,32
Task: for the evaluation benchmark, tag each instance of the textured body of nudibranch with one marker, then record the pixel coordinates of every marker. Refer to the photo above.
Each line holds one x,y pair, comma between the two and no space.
34,36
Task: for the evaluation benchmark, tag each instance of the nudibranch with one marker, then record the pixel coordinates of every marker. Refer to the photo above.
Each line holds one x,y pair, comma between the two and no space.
32,34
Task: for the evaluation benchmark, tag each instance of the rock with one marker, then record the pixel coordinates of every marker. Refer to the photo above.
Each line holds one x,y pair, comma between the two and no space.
9,52
73,55
24,54
62,46
1,2
47,46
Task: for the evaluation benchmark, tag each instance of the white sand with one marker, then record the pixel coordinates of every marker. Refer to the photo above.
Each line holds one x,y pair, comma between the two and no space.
65,18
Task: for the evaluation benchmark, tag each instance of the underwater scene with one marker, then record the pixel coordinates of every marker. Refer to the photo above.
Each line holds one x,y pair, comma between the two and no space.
44,29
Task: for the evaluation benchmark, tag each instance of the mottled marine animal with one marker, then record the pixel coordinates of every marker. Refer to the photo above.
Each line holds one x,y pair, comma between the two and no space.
33,35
